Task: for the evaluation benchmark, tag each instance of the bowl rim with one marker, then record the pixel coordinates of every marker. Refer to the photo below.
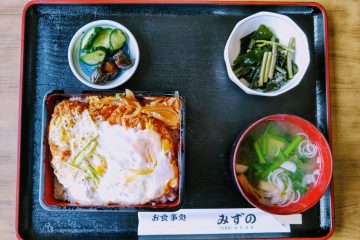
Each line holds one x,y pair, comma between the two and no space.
288,118
298,77
116,82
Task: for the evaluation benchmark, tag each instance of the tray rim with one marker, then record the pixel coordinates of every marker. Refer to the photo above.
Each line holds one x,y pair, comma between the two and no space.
205,2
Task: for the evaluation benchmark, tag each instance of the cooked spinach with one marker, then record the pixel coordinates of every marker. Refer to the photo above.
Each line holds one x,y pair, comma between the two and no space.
263,33
264,62
245,41
250,58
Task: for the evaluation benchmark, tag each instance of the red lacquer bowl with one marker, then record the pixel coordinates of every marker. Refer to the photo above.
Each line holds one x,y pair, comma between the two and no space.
315,191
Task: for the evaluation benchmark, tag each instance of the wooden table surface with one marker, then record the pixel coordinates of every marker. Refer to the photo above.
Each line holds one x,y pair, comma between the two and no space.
344,50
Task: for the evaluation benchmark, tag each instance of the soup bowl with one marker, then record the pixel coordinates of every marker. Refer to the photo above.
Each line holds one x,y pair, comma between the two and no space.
266,187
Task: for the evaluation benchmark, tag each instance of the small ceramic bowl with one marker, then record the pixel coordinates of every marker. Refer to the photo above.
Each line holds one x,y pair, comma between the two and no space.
323,164
284,28
83,71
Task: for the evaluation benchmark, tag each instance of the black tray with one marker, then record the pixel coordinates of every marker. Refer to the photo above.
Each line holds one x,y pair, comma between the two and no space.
181,49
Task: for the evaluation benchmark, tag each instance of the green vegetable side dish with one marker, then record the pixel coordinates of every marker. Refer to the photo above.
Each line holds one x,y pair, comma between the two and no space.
277,163
263,62
102,47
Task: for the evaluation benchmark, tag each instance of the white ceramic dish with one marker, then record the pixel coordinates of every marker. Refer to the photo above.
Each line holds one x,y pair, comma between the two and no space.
74,53
284,28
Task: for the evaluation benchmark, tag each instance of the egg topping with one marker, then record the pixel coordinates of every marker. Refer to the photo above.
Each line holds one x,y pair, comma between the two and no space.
101,163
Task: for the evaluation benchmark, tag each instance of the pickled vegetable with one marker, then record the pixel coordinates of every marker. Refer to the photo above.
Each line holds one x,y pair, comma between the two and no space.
102,47
94,57
122,60
105,72
89,37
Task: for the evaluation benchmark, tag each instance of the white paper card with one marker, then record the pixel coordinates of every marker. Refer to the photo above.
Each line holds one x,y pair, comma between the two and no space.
211,221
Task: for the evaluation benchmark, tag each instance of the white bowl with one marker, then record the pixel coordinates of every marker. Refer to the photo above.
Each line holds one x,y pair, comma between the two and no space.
284,28
74,53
